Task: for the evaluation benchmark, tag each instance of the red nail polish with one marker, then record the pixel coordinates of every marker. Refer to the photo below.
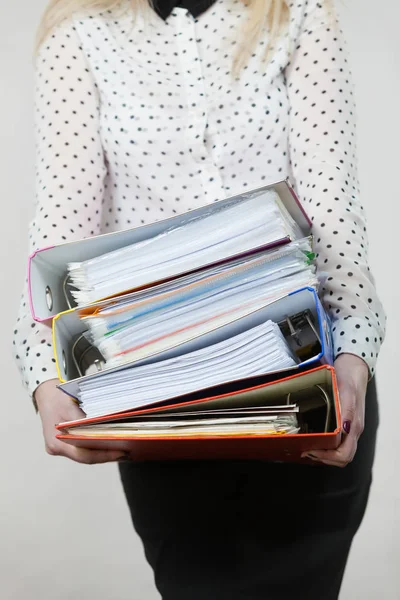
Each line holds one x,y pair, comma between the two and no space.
347,427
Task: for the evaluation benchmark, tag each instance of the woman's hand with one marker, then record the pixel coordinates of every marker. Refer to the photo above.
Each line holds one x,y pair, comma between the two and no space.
352,378
56,407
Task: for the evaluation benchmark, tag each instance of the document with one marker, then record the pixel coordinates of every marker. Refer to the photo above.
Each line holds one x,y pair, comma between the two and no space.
154,320
269,424
253,352
219,234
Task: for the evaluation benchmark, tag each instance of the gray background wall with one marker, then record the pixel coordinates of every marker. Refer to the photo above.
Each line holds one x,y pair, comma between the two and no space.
64,528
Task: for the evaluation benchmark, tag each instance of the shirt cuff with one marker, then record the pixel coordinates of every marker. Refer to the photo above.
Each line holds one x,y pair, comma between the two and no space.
356,336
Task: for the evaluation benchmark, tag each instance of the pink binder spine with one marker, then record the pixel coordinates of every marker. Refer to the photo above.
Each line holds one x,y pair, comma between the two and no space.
31,257
299,204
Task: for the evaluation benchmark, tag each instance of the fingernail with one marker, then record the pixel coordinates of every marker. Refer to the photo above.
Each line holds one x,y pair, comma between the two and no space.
347,427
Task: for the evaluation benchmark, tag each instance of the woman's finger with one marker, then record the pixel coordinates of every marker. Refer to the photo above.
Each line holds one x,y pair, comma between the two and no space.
341,457
93,457
86,456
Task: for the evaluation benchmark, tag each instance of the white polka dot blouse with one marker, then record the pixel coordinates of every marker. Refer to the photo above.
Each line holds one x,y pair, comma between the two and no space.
140,120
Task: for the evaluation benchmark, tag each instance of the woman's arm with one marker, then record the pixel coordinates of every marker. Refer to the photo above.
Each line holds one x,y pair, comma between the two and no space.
70,173
323,156
70,178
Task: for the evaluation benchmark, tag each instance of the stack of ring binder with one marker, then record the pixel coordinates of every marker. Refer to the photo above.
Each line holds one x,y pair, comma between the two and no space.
197,337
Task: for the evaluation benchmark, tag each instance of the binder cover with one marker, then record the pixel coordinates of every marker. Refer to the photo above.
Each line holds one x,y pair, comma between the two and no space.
67,326
255,447
48,266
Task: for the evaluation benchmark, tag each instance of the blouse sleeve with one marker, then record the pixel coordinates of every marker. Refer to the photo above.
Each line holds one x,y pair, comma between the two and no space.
323,158
70,173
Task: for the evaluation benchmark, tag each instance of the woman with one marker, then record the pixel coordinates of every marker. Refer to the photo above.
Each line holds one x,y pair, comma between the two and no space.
146,112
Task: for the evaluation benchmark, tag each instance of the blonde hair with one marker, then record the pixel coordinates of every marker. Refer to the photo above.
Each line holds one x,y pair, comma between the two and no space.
271,14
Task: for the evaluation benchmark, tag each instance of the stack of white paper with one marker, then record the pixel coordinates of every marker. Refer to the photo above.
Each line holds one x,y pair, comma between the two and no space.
254,352
268,424
164,317
218,235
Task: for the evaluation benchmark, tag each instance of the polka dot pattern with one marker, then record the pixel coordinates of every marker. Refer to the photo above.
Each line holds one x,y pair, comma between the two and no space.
136,122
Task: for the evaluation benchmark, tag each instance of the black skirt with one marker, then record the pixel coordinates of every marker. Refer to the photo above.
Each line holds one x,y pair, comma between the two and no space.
250,530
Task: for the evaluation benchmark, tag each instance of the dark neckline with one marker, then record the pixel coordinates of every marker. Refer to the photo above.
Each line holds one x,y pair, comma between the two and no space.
196,7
